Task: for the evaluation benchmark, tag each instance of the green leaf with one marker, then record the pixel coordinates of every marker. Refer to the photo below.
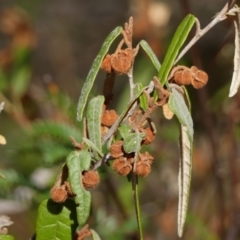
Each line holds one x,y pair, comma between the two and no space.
94,114
124,130
178,106
94,70
20,80
184,177
95,236
56,221
177,42
151,54
132,142
56,130
78,162
6,237
143,98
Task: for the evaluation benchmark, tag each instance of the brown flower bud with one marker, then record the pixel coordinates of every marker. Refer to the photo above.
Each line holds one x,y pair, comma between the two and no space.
142,169
200,78
122,166
183,77
109,117
90,179
122,61
58,194
149,137
146,157
106,64
116,149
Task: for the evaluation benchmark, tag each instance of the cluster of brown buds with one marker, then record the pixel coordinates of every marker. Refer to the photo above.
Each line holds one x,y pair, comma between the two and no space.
124,163
182,75
121,60
60,192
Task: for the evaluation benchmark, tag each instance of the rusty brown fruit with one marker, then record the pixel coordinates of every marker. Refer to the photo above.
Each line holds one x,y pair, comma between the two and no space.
90,179
200,78
149,137
116,149
122,166
122,61
59,194
109,117
106,64
183,77
146,157
142,169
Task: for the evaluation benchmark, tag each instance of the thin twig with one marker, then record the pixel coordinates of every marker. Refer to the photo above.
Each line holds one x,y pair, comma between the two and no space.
201,32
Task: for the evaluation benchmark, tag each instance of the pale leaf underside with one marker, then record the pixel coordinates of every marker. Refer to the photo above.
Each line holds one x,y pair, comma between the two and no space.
236,71
184,178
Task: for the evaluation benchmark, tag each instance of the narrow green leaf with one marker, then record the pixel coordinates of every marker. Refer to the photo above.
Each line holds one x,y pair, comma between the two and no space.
132,142
178,106
94,114
6,237
95,236
142,98
184,177
94,70
56,221
20,80
78,162
177,42
151,54
92,146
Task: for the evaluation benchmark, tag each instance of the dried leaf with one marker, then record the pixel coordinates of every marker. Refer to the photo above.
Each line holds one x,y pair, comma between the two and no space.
236,71
2,140
184,177
168,114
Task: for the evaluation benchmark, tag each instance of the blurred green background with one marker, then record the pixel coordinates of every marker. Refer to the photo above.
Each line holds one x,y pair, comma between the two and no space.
46,51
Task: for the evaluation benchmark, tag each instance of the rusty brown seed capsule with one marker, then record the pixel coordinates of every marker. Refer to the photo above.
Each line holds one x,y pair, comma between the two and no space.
122,61
142,169
183,77
109,117
116,149
106,64
200,78
146,157
59,194
90,179
122,166
149,137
